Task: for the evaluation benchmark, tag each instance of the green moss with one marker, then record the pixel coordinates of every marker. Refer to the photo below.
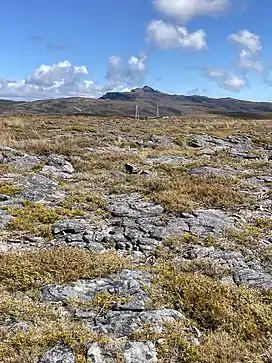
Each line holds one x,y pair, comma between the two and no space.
36,218
181,141
174,242
206,268
9,189
38,168
250,235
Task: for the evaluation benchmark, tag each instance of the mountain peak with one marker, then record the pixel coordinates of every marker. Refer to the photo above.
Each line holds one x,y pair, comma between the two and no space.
145,89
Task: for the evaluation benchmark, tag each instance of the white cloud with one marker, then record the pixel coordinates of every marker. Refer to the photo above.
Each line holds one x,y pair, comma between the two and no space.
66,80
63,72
247,62
226,80
185,10
131,72
248,40
168,36
251,47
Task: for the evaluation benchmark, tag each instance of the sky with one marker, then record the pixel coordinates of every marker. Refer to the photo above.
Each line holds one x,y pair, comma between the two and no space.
85,48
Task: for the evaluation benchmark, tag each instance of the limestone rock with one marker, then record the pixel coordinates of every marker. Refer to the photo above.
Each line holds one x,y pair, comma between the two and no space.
17,159
58,167
96,354
73,226
124,323
57,354
140,352
127,283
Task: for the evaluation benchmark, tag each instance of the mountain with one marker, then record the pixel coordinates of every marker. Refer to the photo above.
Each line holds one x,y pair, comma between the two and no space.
147,98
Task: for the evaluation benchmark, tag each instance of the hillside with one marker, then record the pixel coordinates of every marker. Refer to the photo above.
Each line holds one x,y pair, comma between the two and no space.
135,242
123,104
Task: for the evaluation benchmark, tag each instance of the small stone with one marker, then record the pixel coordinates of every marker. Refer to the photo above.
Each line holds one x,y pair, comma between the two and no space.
132,169
94,354
120,246
95,247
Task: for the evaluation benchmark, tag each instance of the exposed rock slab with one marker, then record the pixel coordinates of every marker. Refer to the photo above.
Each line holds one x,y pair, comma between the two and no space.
207,170
17,159
140,352
248,273
139,225
57,166
39,188
127,283
228,142
123,323
58,354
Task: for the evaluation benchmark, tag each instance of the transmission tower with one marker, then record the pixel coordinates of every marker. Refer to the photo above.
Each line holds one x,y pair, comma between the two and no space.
137,113
158,109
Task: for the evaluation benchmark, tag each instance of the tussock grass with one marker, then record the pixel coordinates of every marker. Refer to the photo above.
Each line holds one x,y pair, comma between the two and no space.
214,306
22,271
180,192
236,322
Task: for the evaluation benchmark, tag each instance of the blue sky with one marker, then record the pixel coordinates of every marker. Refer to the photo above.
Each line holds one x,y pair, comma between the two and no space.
217,48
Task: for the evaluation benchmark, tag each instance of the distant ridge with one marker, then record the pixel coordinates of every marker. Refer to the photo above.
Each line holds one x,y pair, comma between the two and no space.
147,98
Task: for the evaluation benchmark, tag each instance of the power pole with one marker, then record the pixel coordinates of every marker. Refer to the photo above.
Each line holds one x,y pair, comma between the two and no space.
137,113
158,109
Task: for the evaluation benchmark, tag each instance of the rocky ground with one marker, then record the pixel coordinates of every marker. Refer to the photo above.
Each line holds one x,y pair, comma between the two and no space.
135,241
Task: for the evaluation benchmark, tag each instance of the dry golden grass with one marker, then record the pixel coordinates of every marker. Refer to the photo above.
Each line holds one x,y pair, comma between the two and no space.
180,192
235,322
37,134
21,271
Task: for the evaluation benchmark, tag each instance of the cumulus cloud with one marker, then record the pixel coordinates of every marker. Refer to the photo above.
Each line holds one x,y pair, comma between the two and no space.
226,80
247,62
251,47
248,40
185,10
168,36
55,74
63,79
126,73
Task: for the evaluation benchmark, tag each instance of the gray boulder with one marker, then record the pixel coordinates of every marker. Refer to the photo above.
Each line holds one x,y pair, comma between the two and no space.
140,352
127,283
73,226
38,188
124,323
58,167
58,354
17,159
97,354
